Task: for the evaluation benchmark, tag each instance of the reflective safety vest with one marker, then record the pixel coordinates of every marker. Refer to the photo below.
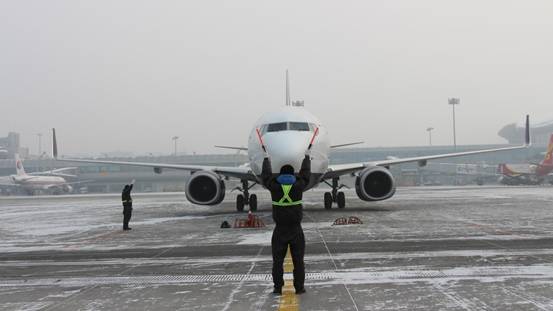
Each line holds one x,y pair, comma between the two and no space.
286,199
127,201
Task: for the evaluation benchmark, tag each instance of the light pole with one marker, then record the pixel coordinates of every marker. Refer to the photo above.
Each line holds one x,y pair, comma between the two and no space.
174,138
39,144
453,102
429,130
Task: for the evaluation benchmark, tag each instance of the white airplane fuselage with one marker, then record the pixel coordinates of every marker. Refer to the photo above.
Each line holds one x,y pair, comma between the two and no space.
39,182
288,146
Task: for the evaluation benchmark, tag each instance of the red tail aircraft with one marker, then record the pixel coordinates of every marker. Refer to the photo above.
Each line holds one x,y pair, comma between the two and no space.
530,173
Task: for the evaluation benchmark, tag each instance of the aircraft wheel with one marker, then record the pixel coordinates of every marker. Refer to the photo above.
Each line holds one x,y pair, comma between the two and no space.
328,200
341,200
253,202
240,203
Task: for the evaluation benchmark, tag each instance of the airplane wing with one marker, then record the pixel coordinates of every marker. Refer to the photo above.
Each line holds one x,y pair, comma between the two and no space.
60,172
241,172
344,169
237,172
232,148
346,145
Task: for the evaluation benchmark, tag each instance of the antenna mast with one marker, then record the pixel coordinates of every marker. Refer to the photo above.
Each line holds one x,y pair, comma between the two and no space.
287,89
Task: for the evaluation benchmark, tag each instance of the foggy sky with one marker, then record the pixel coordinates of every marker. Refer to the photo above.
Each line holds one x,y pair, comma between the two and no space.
129,75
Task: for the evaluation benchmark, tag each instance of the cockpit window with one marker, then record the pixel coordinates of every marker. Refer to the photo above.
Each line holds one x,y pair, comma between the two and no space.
287,126
276,127
299,126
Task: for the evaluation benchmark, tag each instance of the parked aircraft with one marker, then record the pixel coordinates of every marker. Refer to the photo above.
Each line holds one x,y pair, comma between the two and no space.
529,173
285,136
52,181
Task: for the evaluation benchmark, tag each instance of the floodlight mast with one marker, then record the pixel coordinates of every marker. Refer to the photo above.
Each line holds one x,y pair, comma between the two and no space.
453,102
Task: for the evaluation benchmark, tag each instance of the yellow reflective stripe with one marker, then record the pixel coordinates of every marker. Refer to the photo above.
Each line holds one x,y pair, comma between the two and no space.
286,197
287,203
286,190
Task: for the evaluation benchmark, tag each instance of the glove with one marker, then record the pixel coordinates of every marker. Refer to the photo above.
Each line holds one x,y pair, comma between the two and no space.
132,181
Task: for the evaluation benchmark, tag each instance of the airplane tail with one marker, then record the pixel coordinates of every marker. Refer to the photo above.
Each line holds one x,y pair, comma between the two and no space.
19,166
548,160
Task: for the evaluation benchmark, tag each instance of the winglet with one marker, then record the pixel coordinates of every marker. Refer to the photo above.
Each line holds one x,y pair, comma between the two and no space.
527,141
54,144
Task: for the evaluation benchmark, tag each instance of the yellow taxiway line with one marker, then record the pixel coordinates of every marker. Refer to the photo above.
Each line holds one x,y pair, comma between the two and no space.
289,299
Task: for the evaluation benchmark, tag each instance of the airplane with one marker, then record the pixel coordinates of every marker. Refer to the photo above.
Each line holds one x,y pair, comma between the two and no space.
529,173
52,180
285,135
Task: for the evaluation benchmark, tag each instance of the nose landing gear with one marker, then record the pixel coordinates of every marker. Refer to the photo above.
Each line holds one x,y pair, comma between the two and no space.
246,198
335,196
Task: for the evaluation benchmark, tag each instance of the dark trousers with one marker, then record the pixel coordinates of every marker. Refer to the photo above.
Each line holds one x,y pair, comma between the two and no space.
282,238
127,213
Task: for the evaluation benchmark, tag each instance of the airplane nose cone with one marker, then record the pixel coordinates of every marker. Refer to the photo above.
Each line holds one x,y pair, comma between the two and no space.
286,148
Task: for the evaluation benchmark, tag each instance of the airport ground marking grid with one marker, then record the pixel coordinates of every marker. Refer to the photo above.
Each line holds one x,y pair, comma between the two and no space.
238,288
517,293
333,261
56,306
486,228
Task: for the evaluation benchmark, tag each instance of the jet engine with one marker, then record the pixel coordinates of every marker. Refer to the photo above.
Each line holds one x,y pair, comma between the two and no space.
375,184
205,188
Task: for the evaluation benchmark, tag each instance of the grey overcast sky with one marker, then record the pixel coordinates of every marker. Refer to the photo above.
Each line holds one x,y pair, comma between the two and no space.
128,75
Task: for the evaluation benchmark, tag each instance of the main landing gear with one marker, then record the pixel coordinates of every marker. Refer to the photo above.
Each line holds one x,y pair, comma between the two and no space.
246,198
335,196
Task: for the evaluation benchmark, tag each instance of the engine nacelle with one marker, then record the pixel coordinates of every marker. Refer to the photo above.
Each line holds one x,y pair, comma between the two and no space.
205,188
375,184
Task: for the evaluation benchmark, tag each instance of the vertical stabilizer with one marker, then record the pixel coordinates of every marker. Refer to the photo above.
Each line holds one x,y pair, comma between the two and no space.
19,166
287,89
54,144
548,160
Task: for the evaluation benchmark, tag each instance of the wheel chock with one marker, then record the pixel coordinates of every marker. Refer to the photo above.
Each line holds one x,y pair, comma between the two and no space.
352,220
253,221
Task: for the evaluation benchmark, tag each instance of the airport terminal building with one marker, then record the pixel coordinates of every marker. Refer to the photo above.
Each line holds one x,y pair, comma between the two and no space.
540,133
9,145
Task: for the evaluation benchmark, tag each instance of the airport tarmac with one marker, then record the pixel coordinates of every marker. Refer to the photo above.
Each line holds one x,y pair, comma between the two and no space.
428,248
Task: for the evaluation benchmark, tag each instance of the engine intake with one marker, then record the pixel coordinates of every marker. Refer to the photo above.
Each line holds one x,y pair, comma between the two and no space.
205,188
375,184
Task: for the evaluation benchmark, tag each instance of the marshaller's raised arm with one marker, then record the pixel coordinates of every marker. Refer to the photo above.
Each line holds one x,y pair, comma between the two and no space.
305,171
266,172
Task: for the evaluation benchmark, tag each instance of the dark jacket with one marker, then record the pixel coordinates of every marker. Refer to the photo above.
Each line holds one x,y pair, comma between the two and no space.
287,215
126,196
